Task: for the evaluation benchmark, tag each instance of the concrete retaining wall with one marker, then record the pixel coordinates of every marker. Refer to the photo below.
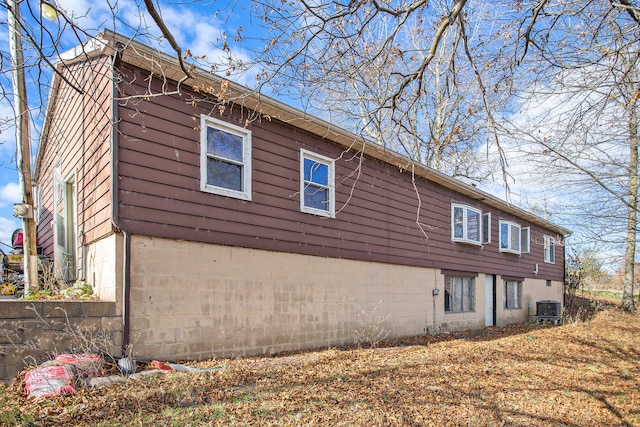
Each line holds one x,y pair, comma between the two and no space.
31,331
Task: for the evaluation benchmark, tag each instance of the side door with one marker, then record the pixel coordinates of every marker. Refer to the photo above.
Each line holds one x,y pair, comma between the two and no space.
64,214
490,300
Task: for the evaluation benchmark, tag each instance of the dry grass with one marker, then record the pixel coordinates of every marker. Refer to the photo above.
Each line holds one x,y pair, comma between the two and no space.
578,374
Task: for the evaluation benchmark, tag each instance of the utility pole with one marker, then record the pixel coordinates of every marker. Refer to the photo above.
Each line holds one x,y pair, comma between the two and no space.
23,147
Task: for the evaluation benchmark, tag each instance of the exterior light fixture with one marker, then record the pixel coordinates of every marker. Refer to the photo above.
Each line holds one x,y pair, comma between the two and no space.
48,11
22,210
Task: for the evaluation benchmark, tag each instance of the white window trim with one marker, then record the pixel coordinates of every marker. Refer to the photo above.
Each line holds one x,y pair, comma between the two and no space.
245,134
465,238
549,245
486,241
509,249
331,211
525,240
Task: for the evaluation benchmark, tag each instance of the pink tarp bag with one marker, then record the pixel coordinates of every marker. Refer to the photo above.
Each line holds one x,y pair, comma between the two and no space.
49,380
87,365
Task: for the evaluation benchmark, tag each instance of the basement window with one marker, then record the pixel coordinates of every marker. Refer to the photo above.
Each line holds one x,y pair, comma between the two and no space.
512,294
459,293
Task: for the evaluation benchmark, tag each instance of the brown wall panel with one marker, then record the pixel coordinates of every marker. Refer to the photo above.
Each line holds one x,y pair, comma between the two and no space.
160,196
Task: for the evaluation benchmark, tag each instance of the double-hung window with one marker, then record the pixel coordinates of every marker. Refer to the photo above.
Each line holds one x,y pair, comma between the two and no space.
512,294
466,224
225,158
513,238
317,184
549,250
459,294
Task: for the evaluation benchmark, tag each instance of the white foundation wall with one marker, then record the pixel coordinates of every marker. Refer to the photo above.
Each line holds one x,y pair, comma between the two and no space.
533,290
104,259
541,290
192,300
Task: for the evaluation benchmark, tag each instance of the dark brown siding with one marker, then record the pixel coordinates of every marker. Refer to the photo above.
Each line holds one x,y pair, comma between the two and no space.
78,139
378,218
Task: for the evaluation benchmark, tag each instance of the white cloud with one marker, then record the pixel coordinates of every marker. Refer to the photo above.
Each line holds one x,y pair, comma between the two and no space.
203,37
7,227
10,194
195,27
91,15
7,130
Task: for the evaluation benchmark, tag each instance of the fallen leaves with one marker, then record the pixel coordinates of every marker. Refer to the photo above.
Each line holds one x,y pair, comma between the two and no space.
582,374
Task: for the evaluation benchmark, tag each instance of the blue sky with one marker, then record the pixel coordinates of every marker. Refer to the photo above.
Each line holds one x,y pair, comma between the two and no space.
9,194
9,188
196,26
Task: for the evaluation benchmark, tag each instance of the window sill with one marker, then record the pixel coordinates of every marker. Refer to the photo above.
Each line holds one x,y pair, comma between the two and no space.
226,192
510,252
467,242
318,212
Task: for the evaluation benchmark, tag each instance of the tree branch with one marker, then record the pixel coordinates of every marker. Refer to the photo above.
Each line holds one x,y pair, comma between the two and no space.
527,34
167,35
442,28
631,10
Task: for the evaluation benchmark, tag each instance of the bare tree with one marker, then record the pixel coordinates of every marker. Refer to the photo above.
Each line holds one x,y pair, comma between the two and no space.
439,128
586,51
582,128
384,75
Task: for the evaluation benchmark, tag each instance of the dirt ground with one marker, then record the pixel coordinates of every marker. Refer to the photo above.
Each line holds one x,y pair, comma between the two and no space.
583,373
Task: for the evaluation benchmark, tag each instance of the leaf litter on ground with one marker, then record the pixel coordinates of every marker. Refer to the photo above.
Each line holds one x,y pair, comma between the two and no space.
577,374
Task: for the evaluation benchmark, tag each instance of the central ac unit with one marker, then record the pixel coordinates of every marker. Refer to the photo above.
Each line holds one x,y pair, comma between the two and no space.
548,308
